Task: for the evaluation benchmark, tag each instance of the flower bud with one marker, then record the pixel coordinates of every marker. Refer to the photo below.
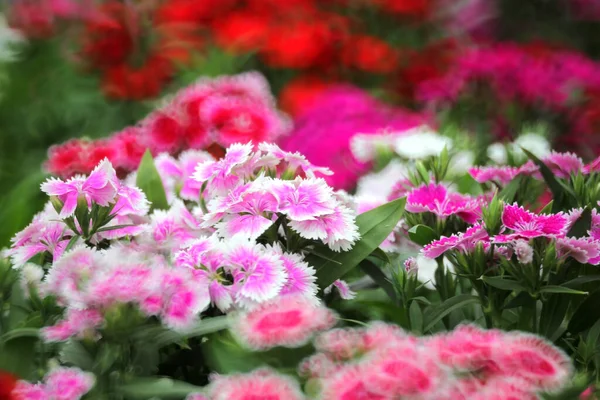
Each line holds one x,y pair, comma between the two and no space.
523,251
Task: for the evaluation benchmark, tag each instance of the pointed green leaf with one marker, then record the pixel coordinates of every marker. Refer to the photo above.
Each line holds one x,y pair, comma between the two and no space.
503,283
435,314
19,332
416,317
149,181
560,289
422,235
581,280
374,227
380,278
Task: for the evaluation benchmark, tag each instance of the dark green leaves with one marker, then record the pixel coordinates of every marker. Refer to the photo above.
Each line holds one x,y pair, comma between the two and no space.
422,235
374,226
435,314
149,181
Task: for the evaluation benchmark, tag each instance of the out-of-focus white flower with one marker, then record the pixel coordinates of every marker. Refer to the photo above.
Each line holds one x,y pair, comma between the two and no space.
421,142
461,162
497,153
381,183
8,38
426,268
364,147
535,143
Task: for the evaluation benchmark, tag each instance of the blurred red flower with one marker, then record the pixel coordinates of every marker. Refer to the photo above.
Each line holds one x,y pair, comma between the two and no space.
242,31
370,54
8,382
299,94
124,81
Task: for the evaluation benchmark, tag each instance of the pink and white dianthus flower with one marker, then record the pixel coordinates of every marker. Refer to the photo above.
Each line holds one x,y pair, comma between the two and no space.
498,174
221,175
59,384
261,383
304,199
100,187
527,225
258,274
77,323
436,199
176,174
301,279
131,201
350,382
534,360
563,165
342,288
293,162
464,241
250,216
289,321
585,250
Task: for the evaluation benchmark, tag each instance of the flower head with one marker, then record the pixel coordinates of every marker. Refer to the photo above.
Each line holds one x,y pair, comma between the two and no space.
436,199
289,321
262,383
528,225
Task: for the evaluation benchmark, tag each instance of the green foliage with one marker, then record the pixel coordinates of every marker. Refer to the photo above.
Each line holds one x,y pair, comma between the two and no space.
150,182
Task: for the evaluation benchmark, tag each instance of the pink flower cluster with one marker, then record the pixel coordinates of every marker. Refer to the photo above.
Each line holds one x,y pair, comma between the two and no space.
513,72
384,362
91,283
249,192
562,165
59,384
519,226
101,188
219,112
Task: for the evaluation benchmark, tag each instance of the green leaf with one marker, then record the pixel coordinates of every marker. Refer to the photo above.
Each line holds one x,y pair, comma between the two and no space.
547,208
560,289
374,227
113,227
422,235
416,317
19,332
146,388
375,272
18,356
435,314
509,192
586,314
582,225
581,280
560,191
74,353
149,181
503,283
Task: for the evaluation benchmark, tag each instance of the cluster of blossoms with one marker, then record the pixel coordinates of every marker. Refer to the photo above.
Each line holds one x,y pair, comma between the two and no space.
209,114
233,236
384,362
538,77
59,384
519,227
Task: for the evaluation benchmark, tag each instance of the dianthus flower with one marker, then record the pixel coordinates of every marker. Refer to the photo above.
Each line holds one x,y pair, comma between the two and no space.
436,199
261,383
289,321
59,384
527,225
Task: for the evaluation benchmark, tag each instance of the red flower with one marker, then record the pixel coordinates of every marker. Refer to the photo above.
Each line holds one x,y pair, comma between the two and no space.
300,44
33,18
77,157
129,146
242,31
126,82
370,54
300,93
8,382
191,11
109,39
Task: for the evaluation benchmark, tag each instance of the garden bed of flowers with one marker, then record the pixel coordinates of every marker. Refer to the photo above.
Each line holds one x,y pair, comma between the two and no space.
299,200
